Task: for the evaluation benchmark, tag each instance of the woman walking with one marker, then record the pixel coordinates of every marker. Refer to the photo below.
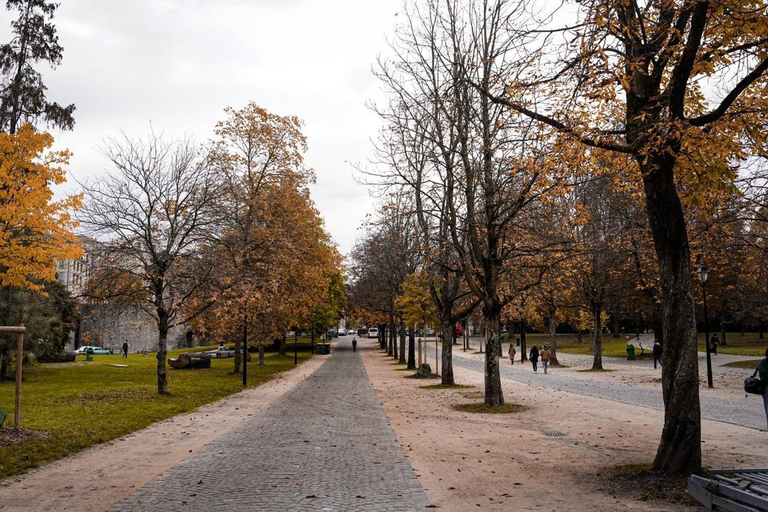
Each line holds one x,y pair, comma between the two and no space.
534,357
512,353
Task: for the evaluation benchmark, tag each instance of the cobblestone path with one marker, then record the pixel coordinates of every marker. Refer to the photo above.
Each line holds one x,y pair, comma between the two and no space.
746,412
326,445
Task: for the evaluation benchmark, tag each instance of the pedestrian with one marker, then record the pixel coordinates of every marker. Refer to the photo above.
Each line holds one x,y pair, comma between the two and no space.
713,343
534,357
545,355
762,372
512,353
125,349
657,351
354,344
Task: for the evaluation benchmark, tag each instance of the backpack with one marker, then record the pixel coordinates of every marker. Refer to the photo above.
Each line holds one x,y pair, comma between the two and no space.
753,385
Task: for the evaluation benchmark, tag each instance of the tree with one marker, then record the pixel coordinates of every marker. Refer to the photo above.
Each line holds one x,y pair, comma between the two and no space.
35,229
22,92
627,80
260,157
153,216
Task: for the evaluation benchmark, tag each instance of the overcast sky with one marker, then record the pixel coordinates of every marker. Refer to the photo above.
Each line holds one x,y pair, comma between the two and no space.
178,63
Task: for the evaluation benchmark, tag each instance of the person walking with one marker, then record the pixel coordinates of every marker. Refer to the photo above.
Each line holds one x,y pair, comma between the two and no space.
534,357
762,371
125,349
354,344
714,341
657,351
512,353
545,355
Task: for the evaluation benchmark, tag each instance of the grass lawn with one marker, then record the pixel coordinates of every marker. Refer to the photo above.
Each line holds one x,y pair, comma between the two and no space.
85,403
750,365
748,345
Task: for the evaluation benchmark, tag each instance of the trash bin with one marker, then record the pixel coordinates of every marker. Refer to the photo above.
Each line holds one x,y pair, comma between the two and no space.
89,354
630,352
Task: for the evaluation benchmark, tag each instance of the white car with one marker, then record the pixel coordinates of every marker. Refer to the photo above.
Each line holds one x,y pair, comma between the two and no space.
98,351
342,331
373,332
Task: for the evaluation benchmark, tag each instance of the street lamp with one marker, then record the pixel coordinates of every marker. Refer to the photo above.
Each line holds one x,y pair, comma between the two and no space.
703,273
295,349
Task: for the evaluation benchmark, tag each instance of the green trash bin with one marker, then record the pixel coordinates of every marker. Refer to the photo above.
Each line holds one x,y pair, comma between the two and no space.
89,354
630,352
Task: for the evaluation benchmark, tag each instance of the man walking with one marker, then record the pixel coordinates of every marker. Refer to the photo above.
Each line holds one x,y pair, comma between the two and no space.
657,351
534,358
545,354
354,344
125,349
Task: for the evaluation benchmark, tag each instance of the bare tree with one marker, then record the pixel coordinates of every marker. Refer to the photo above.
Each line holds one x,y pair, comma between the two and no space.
152,215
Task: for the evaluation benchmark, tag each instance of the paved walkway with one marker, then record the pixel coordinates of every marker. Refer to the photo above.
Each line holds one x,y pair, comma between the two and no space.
326,445
746,412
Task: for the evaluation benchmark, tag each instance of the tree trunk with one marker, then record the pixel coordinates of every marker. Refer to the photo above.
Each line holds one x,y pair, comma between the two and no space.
401,359
616,326
261,353
5,359
162,351
597,313
382,339
393,334
412,348
553,339
680,446
447,356
523,351
494,396
282,351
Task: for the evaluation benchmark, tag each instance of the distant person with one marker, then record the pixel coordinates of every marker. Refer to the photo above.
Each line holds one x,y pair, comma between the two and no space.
125,349
354,344
512,353
640,344
762,371
534,357
657,352
713,343
545,355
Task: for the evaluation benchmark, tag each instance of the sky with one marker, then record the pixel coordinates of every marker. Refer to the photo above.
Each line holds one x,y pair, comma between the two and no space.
174,65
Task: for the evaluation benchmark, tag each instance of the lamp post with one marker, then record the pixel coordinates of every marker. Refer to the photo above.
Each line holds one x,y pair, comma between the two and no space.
703,273
295,346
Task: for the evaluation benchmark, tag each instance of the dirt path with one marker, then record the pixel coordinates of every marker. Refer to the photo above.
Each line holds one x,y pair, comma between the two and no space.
499,462
97,478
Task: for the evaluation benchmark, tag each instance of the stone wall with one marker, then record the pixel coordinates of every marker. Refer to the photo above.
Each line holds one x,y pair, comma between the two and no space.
109,326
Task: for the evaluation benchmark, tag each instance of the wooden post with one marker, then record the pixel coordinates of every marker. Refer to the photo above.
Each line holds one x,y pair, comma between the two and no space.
19,357
19,330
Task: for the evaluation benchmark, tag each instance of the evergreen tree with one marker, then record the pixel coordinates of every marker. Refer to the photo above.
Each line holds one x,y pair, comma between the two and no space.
22,92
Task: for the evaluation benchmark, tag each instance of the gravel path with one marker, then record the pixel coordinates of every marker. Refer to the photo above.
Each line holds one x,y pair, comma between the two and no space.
327,445
738,412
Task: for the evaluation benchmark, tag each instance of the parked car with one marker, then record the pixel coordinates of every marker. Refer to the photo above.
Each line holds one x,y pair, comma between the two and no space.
362,332
342,331
373,332
98,351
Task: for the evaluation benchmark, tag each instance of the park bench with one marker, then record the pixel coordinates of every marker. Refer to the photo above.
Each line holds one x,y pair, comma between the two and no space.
737,490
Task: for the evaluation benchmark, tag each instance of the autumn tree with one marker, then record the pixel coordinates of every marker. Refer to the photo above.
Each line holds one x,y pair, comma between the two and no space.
152,216
35,228
22,92
259,158
633,79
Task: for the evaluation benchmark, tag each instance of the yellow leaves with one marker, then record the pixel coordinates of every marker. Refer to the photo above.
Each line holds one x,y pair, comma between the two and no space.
34,230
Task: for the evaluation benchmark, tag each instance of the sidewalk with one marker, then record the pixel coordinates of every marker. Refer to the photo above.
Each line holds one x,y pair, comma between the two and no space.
325,445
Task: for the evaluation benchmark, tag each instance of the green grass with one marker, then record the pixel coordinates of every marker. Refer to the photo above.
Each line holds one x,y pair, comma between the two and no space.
750,365
85,403
447,386
479,407
748,345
